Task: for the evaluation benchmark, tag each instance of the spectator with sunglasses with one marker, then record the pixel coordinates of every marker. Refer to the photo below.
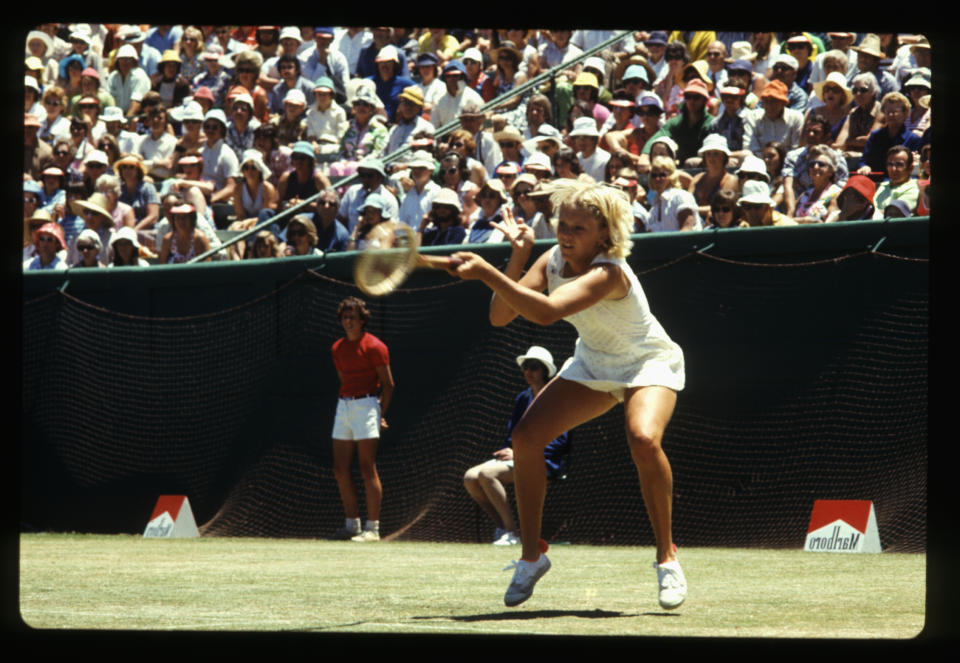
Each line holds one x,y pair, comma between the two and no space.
485,482
672,207
724,212
88,247
331,234
48,239
785,70
221,166
300,237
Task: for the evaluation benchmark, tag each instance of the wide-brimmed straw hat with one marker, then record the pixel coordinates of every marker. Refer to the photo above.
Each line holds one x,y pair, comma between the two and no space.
97,202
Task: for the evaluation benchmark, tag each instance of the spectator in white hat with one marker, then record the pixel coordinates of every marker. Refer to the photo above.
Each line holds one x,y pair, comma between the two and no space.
128,82
366,60
125,249
421,190
220,165
758,207
730,122
147,56
290,41
441,226
715,157
785,70
485,482
390,79
241,124
41,46
292,123
586,139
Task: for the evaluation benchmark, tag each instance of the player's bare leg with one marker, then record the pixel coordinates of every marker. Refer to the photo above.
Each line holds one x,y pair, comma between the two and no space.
647,413
561,406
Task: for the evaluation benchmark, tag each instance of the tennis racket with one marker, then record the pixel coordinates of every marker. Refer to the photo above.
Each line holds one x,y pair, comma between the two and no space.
391,254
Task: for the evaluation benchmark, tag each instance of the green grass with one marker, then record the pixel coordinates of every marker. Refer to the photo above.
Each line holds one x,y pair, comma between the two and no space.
124,582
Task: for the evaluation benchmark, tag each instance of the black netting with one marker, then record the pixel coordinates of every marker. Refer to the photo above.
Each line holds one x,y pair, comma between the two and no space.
805,381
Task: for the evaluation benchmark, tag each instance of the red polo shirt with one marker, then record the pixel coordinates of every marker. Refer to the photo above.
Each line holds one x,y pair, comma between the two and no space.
357,362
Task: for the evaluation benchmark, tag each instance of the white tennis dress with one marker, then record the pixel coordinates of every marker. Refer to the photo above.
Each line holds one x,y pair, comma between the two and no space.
621,343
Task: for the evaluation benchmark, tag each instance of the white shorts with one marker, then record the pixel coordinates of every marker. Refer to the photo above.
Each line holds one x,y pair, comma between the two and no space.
357,419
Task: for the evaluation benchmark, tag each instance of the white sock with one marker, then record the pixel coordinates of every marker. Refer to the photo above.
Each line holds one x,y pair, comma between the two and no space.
372,526
353,524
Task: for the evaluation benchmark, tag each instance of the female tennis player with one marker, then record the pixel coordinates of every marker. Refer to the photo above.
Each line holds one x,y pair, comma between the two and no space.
622,355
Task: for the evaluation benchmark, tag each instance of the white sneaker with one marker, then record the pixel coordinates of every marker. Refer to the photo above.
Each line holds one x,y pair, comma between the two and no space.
497,533
507,539
366,536
525,577
673,586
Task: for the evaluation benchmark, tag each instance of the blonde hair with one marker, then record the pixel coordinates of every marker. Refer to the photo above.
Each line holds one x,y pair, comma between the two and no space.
895,98
611,207
669,166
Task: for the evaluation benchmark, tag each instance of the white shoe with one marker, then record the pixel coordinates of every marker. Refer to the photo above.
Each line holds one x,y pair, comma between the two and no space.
525,577
366,536
497,533
507,539
672,584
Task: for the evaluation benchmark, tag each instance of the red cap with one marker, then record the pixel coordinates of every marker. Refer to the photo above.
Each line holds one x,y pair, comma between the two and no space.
862,185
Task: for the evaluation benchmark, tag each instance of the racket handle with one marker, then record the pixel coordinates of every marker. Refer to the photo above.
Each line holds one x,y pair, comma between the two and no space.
436,262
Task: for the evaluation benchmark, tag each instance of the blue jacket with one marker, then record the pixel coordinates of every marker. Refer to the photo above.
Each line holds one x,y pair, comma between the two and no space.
555,453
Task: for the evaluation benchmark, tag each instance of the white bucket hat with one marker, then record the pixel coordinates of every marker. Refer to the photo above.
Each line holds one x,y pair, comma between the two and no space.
714,143
542,355
126,233
446,196
754,164
585,126
757,193
421,159
255,156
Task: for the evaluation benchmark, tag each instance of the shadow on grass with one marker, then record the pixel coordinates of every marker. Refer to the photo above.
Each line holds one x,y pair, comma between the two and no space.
523,615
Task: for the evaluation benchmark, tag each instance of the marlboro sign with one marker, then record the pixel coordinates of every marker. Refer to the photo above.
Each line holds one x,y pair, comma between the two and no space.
171,519
843,526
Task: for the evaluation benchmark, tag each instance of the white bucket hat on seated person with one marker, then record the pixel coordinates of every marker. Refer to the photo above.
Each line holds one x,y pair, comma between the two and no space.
542,355
757,193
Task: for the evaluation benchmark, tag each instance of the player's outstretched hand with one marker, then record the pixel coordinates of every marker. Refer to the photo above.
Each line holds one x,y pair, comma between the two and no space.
518,233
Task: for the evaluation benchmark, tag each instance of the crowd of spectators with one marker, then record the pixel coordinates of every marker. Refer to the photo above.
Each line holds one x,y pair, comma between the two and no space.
148,144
